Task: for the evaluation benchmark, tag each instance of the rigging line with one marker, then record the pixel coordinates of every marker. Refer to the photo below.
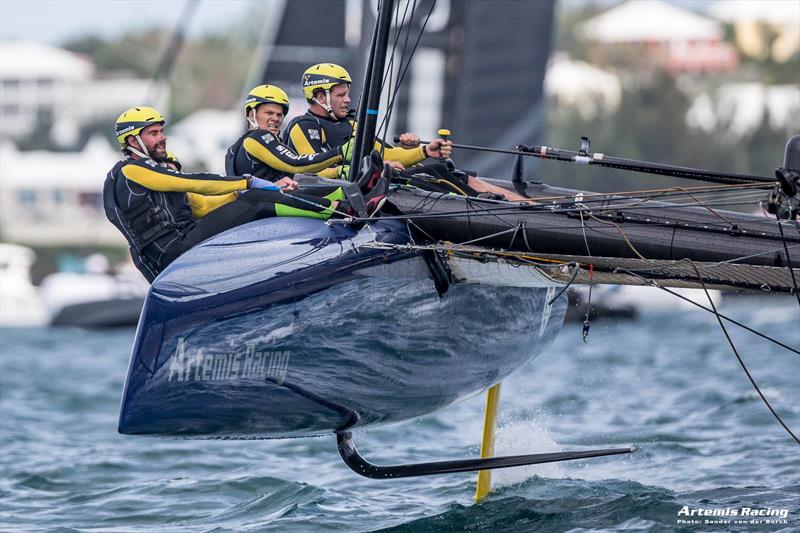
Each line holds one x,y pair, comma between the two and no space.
390,107
389,73
551,208
756,255
653,283
668,222
718,197
650,203
586,323
739,358
619,229
712,211
635,192
789,263
728,201
514,236
611,197
542,209
724,201
485,237
569,283
411,222
408,54
394,88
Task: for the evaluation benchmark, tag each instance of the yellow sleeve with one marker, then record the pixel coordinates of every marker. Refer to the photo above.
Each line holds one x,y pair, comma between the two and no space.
167,180
407,157
299,140
330,172
280,157
202,205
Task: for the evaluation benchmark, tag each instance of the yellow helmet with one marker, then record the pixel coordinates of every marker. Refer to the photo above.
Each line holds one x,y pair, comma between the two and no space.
323,76
266,94
134,120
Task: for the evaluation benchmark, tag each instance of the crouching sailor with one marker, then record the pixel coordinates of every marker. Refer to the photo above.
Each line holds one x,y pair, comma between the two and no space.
149,201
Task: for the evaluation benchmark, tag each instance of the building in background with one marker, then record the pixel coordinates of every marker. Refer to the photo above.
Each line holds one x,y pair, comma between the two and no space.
653,33
47,87
56,198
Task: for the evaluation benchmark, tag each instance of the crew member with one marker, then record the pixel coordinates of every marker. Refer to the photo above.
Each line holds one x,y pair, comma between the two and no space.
326,87
147,199
261,153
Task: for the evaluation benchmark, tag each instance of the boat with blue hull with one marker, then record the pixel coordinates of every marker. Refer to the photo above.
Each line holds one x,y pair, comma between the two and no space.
242,337
296,327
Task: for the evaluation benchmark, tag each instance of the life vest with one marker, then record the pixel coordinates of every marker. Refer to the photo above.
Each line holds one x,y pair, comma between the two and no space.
230,156
142,224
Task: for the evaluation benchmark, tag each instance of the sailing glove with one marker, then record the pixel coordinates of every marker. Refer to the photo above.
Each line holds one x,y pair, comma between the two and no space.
347,150
264,185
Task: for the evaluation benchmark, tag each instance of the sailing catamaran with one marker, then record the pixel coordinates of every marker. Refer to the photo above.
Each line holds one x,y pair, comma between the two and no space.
295,327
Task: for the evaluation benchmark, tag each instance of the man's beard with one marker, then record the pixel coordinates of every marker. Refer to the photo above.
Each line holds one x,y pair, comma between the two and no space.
159,154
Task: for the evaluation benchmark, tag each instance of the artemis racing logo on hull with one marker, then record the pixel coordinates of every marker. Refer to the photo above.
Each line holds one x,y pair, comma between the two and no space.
253,364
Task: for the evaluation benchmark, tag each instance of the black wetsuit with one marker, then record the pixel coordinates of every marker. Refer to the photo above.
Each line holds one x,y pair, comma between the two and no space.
163,212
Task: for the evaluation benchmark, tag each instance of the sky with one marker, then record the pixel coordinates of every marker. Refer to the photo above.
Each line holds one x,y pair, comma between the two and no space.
55,21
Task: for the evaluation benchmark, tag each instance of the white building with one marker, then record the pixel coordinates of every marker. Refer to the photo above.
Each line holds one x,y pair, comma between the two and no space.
41,82
661,34
55,198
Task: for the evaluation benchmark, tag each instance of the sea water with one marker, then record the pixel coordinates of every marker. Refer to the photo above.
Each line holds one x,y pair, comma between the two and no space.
670,385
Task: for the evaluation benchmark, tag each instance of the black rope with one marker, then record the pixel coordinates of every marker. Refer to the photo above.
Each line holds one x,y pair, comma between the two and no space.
395,87
789,263
704,308
390,106
739,358
569,283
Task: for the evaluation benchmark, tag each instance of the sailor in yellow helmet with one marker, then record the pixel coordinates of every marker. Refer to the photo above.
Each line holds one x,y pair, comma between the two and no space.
261,153
163,212
326,87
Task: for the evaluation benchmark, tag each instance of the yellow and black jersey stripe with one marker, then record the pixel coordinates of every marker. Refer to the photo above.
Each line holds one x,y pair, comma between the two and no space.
312,134
264,147
155,177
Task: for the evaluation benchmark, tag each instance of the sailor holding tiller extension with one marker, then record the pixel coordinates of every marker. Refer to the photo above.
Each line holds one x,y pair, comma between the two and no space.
326,124
163,212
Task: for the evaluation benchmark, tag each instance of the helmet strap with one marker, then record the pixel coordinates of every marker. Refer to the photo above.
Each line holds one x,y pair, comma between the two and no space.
326,105
144,154
251,118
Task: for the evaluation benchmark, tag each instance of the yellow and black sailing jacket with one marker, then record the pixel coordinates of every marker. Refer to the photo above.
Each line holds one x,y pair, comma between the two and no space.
260,153
310,133
149,203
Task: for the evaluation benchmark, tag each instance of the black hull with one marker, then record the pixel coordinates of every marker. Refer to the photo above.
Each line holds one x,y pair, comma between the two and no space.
656,230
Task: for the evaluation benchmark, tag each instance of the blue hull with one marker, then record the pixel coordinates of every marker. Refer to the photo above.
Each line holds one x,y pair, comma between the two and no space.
293,328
